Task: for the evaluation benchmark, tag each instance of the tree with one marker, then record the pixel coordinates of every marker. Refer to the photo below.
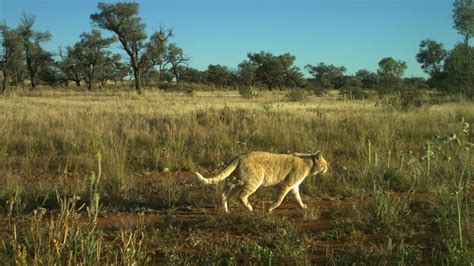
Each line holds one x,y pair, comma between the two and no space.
37,59
112,69
11,57
459,68
391,72
416,83
218,75
463,16
93,55
176,57
390,67
369,80
274,71
123,20
191,75
51,74
70,64
119,69
327,76
293,78
159,52
246,73
431,56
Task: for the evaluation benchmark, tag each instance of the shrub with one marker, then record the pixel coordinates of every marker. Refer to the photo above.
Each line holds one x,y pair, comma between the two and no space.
354,93
248,92
296,95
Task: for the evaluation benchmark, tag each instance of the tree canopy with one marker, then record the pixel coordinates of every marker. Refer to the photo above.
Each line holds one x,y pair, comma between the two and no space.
37,59
463,16
123,20
275,71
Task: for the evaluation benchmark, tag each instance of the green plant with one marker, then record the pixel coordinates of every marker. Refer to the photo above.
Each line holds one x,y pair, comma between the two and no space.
131,251
248,92
296,95
387,211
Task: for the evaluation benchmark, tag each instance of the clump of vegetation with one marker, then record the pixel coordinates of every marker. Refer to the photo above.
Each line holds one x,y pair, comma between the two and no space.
387,211
148,150
296,95
63,238
248,92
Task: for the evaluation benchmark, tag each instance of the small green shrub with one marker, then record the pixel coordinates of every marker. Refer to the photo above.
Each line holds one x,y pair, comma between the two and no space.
403,100
354,93
296,95
248,92
387,211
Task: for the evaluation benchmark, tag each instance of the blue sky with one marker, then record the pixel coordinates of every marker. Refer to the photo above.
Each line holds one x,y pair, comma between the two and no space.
353,33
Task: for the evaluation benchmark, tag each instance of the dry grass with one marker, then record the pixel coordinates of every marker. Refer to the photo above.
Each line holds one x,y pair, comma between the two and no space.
50,138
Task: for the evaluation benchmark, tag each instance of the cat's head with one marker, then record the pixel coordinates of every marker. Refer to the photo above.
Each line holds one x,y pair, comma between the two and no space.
320,164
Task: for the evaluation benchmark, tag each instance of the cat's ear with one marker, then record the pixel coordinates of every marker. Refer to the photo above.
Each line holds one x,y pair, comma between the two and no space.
318,155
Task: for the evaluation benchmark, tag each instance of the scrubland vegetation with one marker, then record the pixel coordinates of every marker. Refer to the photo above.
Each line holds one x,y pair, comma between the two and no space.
103,174
398,190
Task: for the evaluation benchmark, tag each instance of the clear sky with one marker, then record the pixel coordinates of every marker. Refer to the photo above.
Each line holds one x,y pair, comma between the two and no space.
353,33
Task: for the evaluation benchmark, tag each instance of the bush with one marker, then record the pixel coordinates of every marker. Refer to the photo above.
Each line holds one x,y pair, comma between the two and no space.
354,93
296,95
248,92
403,100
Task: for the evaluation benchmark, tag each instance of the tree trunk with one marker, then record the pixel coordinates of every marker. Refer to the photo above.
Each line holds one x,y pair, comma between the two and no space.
33,83
138,83
4,81
31,70
88,80
77,79
176,74
91,76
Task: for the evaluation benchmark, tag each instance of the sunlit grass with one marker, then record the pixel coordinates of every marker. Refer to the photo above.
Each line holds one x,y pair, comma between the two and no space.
374,152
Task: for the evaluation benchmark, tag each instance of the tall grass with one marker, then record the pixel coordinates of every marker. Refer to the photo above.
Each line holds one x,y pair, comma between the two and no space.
63,238
375,153
43,136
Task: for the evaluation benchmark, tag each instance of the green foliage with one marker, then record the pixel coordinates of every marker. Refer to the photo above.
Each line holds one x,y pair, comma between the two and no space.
12,62
275,71
463,16
387,211
352,88
403,100
327,76
296,95
390,67
218,76
92,56
191,75
395,252
391,72
113,69
37,59
176,57
368,79
431,56
459,68
247,73
284,246
123,20
158,55
248,92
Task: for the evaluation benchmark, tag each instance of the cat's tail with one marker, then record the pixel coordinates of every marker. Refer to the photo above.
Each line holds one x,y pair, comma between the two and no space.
223,175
